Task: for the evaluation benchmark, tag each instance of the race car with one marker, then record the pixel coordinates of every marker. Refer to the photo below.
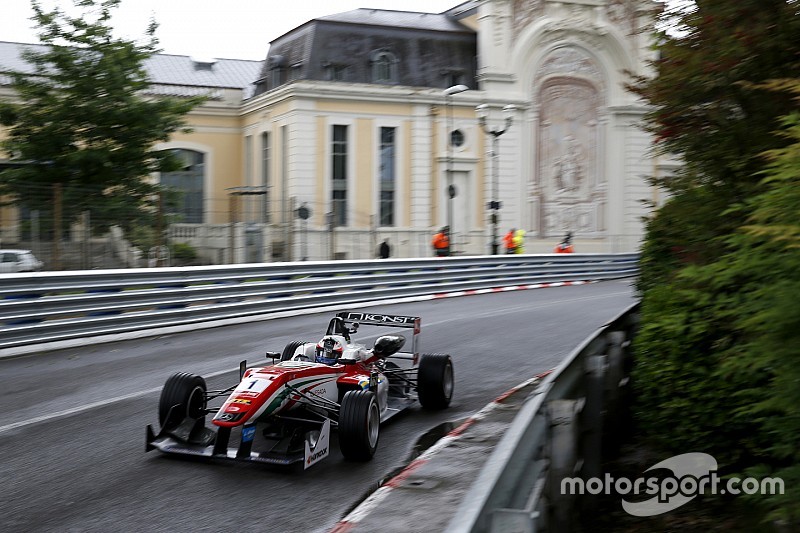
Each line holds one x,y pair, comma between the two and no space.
284,412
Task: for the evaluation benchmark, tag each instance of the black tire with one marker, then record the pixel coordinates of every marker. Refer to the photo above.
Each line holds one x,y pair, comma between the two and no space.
435,380
185,392
359,425
288,351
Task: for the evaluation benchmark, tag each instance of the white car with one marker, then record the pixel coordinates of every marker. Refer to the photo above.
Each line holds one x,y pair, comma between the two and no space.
19,261
287,410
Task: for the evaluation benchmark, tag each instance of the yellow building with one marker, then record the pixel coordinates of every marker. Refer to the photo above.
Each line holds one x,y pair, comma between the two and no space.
367,121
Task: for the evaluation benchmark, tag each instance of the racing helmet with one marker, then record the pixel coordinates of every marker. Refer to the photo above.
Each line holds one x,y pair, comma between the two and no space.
329,349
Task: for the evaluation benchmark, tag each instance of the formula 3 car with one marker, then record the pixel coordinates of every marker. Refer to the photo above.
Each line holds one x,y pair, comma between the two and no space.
283,413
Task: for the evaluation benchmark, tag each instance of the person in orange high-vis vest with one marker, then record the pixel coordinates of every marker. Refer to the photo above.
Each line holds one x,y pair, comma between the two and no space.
508,241
441,242
565,246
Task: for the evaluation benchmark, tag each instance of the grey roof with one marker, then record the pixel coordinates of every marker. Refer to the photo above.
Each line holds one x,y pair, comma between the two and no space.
398,19
425,50
184,70
164,69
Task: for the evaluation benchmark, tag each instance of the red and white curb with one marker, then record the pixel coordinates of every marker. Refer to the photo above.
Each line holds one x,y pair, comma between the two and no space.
510,288
376,498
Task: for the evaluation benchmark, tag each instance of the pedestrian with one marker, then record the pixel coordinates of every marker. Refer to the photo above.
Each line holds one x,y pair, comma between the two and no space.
384,250
519,241
508,241
565,246
441,242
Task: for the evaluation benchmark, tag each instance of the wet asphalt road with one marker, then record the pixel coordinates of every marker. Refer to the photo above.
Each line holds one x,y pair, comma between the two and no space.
72,422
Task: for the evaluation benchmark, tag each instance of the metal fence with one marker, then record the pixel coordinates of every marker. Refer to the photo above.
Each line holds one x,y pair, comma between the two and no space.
49,307
561,432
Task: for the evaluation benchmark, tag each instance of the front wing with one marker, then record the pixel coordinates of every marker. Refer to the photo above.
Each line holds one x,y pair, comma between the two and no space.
192,438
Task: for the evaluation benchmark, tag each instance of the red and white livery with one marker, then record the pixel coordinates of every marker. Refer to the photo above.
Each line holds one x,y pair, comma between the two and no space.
284,413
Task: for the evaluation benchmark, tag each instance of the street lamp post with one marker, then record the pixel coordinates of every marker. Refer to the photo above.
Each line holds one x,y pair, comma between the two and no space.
494,205
451,189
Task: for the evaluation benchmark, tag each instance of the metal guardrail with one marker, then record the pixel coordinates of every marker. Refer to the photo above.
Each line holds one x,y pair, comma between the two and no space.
56,306
562,431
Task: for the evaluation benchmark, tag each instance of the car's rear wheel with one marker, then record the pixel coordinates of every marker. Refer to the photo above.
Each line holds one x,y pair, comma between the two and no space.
288,351
435,380
183,395
359,425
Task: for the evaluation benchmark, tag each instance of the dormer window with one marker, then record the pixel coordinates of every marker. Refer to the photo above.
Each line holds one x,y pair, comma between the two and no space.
335,71
296,72
384,66
203,63
277,70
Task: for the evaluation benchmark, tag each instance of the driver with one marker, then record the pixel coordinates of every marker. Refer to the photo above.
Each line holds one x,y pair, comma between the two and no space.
329,349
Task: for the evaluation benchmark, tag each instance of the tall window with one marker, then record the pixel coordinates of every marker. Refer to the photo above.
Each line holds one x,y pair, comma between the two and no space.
266,176
248,159
387,176
339,165
187,183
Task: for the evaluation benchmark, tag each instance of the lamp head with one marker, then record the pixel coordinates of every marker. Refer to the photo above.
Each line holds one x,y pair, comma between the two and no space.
455,89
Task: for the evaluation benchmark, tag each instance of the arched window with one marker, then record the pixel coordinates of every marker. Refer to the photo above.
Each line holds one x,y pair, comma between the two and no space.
384,66
188,184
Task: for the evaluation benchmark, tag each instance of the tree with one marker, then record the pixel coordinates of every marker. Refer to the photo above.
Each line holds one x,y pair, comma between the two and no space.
708,107
84,120
716,360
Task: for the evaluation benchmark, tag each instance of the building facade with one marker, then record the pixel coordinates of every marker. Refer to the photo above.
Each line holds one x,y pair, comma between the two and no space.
346,134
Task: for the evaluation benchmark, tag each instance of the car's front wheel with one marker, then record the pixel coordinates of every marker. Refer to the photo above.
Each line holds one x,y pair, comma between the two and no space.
183,395
359,425
435,380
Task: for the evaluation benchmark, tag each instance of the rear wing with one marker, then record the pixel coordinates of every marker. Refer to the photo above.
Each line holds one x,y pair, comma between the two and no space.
392,321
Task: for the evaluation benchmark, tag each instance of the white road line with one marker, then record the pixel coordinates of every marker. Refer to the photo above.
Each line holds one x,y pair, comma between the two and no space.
94,405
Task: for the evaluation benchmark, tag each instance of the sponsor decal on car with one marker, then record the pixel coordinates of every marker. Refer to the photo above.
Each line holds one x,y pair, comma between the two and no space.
370,318
242,400
321,448
248,433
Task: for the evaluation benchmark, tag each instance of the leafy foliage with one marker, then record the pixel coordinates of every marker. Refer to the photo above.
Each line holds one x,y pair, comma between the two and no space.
83,119
717,360
184,252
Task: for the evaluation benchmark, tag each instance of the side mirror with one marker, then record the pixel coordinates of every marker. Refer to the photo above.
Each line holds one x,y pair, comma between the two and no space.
273,355
343,361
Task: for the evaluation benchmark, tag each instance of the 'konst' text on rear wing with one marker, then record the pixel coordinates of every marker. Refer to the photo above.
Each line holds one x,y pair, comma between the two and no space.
393,321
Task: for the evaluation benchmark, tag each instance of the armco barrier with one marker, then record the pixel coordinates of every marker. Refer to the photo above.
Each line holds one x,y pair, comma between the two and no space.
56,306
561,431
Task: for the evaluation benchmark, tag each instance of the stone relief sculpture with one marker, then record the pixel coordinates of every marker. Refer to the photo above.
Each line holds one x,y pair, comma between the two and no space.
569,184
568,166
